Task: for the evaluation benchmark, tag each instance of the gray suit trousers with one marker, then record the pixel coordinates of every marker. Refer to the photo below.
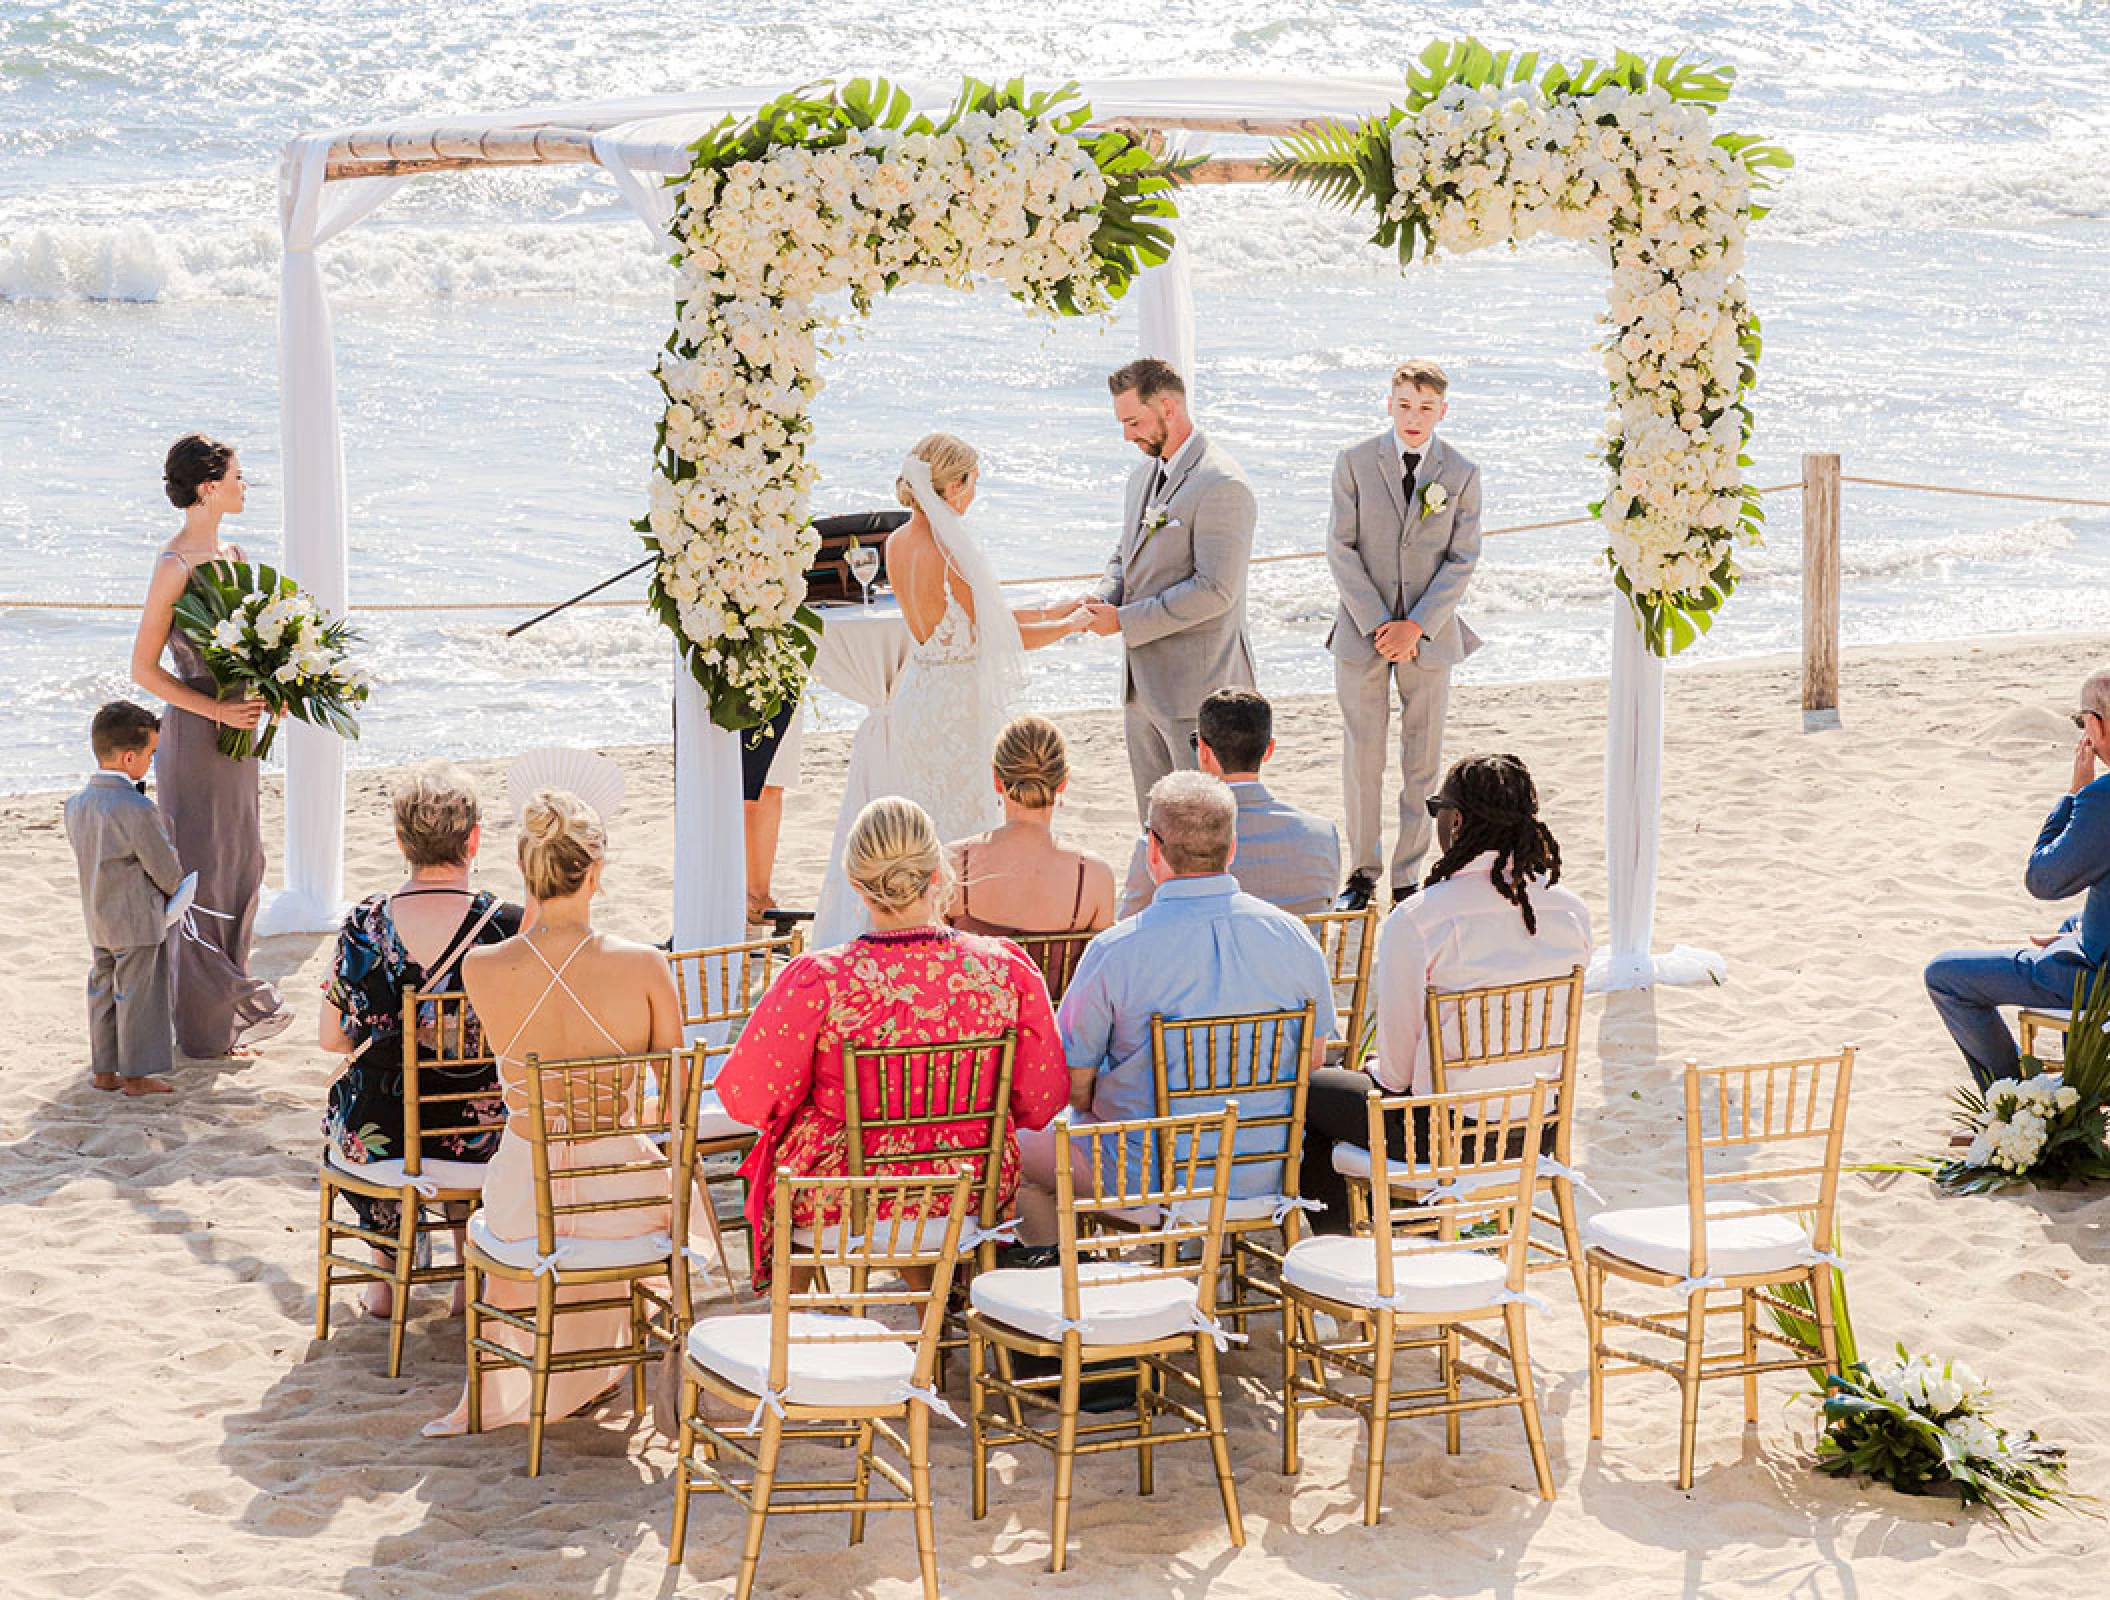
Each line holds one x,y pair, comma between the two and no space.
128,1012
1365,691
1156,745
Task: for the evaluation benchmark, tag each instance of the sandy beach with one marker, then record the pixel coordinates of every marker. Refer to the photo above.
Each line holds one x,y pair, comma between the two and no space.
174,1430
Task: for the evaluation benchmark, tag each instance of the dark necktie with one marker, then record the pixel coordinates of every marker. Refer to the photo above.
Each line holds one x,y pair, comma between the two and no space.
1409,464
1157,483
140,785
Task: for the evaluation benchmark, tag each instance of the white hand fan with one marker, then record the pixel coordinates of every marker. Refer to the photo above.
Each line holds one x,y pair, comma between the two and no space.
594,779
180,901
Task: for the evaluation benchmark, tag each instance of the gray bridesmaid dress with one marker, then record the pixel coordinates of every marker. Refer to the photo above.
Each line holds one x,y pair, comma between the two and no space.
210,805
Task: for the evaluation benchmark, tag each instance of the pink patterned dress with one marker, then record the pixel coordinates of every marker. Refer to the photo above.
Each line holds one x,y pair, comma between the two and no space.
916,986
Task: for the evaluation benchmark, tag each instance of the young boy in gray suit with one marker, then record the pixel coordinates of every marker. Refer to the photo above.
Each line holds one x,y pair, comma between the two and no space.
128,871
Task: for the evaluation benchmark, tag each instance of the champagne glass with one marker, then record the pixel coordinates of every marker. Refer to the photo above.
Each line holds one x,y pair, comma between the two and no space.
863,562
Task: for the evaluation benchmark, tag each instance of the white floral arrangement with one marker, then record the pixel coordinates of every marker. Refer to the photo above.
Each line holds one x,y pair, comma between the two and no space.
845,190
264,636
2048,1126
1924,1426
1492,149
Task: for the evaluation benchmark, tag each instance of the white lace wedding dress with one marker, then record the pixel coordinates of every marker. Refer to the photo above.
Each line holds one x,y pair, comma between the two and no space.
940,731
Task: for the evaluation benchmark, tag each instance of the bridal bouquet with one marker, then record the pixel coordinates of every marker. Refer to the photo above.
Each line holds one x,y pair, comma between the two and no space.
2043,1127
264,636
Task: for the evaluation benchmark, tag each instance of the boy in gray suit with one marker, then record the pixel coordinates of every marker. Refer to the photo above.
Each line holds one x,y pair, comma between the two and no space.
128,871
1404,539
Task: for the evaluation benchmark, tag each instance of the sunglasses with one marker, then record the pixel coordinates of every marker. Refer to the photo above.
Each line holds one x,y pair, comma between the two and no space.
1437,805
2080,718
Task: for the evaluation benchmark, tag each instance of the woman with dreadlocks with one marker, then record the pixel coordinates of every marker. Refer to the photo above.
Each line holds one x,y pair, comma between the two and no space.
1489,913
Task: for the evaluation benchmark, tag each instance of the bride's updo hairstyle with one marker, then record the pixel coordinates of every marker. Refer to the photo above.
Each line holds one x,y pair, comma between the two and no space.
1031,762
561,837
951,461
193,461
894,858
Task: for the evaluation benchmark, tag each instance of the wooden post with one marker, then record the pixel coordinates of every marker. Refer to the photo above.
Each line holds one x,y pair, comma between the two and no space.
1820,582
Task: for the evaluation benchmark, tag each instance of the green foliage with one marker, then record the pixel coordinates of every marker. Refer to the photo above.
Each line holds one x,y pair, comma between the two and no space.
218,590
1797,1319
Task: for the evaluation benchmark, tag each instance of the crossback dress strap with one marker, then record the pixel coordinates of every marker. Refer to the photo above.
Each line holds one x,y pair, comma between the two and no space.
1077,903
556,982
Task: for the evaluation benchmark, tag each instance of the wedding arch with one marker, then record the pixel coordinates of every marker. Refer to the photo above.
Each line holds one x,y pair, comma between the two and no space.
772,195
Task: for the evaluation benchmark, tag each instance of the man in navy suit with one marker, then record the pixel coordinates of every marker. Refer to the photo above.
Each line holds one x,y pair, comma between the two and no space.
2072,856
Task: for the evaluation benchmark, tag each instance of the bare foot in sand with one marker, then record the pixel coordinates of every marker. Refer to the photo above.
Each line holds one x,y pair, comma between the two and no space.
139,1086
106,1081
378,1301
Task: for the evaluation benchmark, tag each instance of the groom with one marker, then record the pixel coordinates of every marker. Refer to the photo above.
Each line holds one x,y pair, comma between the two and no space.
1175,587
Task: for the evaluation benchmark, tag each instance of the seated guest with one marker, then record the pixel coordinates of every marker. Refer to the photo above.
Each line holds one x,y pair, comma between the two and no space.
563,991
1203,947
414,938
1015,880
909,981
1287,857
1489,913
2072,856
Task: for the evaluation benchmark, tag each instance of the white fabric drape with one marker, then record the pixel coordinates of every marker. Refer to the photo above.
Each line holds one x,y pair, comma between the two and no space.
311,212
1633,805
1165,295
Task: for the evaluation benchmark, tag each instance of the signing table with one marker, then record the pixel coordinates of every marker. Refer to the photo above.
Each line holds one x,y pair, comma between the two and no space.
862,652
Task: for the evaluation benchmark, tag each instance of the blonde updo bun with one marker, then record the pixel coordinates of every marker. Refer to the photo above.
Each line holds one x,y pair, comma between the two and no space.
561,838
951,460
894,858
1031,762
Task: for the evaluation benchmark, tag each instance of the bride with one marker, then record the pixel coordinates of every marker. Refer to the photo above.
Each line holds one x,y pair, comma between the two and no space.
931,740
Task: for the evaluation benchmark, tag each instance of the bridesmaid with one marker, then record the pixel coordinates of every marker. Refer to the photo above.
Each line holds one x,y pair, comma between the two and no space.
210,801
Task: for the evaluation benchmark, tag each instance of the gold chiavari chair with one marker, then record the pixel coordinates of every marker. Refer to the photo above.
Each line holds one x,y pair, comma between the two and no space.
1741,1250
1423,1282
609,1136
1501,1035
1137,1317
447,1088
1348,940
2037,1025
1057,955
1262,1060
818,1366
937,1106
719,987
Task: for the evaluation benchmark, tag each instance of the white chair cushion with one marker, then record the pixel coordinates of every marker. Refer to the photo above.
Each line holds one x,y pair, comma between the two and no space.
713,1121
1659,1238
459,1175
1432,1282
1353,1161
875,1374
1195,1213
1116,1302
574,1252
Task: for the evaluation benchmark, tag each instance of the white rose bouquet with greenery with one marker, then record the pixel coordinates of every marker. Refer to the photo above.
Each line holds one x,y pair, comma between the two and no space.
266,637
2045,1127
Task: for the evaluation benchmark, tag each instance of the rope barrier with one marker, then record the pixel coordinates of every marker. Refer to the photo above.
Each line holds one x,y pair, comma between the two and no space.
1092,577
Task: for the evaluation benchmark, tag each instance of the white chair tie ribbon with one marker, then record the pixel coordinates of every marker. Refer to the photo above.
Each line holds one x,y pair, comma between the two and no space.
188,923
928,1397
973,1235
710,1262
426,1188
1286,1203
1519,1297
1551,1168
1223,1336
1063,1325
546,1266
1689,1287
1449,1189
1813,1257
772,1400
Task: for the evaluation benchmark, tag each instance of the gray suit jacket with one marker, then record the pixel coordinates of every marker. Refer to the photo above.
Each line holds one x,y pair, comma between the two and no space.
128,867
1287,857
1180,588
1392,561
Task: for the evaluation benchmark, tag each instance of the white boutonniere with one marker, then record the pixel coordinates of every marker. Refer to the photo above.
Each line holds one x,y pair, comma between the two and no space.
1155,520
1434,497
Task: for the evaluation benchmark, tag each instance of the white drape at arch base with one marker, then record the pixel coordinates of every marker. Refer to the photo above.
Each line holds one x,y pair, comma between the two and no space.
641,142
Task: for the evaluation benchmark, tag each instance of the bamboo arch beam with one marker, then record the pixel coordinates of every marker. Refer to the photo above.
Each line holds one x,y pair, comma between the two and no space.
402,153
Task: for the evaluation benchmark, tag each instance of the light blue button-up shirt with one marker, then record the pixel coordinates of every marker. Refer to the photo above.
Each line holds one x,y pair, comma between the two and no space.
1201,948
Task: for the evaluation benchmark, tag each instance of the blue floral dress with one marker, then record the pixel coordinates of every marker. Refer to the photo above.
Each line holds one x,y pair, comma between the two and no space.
364,1117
